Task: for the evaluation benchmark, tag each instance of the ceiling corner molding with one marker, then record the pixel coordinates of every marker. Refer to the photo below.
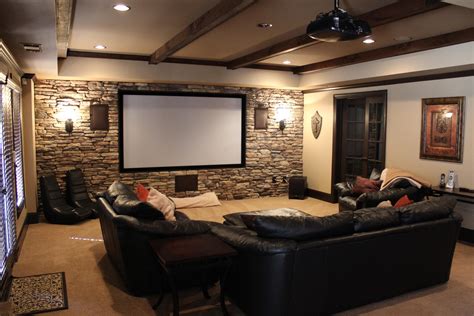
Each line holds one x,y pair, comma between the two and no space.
64,11
220,13
434,42
9,68
384,15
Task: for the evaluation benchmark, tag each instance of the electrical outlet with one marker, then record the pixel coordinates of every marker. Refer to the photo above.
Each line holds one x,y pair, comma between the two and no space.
274,179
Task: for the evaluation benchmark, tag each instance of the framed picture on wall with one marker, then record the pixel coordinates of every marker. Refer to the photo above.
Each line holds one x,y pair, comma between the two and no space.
442,129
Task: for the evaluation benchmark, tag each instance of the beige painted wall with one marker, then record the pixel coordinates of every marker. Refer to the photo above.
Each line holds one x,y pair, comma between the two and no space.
455,55
76,68
403,131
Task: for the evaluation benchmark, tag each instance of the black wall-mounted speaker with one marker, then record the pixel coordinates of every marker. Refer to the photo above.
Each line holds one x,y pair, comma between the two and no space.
297,187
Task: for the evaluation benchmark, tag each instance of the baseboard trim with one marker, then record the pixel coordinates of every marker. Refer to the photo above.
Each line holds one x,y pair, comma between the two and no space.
466,235
32,218
327,197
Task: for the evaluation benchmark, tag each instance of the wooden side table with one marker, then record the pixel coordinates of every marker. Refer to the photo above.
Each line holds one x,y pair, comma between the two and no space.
199,253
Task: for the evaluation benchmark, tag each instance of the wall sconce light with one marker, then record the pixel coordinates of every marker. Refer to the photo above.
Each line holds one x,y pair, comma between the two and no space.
69,125
68,111
282,115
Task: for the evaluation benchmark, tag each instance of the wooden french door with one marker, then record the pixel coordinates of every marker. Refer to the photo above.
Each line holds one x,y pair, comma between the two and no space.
360,134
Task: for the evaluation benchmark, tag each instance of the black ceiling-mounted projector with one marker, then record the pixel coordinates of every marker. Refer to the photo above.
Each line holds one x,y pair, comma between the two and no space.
337,25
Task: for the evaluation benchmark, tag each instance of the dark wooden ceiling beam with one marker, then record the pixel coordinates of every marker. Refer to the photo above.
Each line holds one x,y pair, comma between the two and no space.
387,14
443,40
223,11
64,12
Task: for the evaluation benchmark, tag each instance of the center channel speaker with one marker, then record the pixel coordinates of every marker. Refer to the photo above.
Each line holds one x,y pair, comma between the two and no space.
297,187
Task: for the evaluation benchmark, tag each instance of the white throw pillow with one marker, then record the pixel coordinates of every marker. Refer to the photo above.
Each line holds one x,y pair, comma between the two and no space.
163,203
385,204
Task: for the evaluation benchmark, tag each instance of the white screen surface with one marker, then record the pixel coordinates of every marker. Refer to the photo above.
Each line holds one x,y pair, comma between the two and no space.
168,131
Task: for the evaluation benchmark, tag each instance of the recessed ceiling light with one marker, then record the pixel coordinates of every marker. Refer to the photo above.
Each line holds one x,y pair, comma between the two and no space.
286,62
265,25
121,7
100,46
368,41
403,38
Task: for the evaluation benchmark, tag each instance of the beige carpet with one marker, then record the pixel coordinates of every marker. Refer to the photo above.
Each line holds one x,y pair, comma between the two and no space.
95,288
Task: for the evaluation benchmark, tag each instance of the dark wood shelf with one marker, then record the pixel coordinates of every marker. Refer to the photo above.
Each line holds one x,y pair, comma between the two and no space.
455,192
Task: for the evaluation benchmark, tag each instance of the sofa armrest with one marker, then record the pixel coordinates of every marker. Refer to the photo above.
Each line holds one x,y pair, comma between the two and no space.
343,189
247,241
162,227
372,199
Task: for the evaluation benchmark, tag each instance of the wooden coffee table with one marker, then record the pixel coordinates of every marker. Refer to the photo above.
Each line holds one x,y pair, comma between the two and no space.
198,253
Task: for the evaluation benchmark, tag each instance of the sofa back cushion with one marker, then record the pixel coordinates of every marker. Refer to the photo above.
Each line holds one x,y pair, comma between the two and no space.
131,206
375,218
427,210
301,227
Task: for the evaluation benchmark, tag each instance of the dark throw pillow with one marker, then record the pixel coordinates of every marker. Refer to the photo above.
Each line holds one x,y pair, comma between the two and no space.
302,227
236,220
118,188
364,185
125,205
370,219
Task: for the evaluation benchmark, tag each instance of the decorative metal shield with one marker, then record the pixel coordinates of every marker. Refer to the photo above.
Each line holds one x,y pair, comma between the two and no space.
316,124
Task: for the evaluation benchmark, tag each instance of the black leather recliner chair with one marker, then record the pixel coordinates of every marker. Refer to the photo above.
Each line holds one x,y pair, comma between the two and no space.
55,207
126,240
76,192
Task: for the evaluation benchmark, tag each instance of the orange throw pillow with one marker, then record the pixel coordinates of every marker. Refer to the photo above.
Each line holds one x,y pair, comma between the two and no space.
141,192
404,200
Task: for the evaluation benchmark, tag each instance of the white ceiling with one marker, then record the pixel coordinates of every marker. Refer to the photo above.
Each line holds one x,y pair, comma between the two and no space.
417,27
30,21
148,25
151,23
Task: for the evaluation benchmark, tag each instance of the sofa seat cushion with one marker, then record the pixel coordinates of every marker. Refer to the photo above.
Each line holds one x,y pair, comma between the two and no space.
427,210
370,219
301,227
235,219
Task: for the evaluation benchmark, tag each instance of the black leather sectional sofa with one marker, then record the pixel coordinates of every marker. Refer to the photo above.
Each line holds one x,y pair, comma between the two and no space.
353,258
296,264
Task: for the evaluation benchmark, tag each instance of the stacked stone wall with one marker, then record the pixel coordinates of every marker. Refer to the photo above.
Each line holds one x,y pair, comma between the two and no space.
269,152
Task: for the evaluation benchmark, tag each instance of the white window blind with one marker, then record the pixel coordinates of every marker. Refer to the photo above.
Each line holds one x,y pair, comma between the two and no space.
7,180
18,151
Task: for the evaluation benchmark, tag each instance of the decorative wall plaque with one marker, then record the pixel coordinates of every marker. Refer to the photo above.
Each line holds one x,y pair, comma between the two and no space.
316,124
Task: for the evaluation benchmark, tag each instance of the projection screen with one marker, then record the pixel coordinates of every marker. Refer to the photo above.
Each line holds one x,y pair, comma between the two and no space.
175,131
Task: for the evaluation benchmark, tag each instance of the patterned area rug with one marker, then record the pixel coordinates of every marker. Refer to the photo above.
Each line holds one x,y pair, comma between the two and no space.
39,293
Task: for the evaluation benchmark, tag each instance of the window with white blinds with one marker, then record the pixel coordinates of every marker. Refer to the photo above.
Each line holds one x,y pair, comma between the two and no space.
18,151
7,180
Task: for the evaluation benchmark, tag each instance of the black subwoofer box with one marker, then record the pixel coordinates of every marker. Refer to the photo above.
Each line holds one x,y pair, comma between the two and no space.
297,187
